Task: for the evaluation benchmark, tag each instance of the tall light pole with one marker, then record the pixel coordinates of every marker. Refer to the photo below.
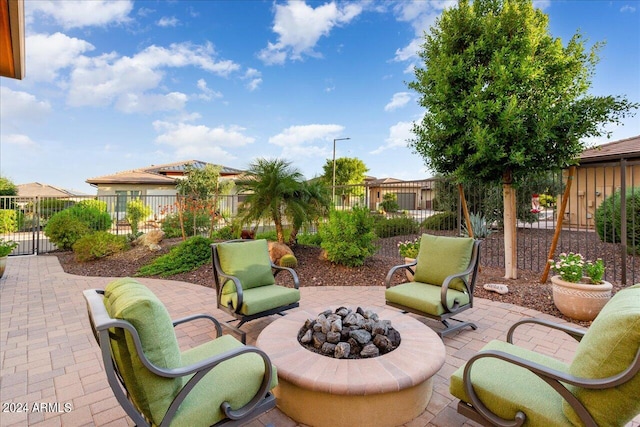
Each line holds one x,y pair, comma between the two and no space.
333,186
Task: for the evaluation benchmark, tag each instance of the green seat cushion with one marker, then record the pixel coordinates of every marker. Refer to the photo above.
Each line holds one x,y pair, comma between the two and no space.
424,297
235,381
248,261
129,300
257,300
608,348
506,388
440,257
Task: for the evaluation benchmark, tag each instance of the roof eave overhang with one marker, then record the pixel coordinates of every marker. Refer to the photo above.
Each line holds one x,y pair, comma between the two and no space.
12,58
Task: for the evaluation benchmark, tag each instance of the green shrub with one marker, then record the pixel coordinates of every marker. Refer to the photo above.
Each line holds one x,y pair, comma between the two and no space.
171,224
272,236
187,256
8,221
65,228
98,245
390,202
137,211
608,219
348,237
224,233
397,226
50,207
441,221
93,203
309,239
95,219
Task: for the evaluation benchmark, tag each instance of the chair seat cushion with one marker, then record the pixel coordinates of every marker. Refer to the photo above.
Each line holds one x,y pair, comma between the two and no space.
442,256
506,388
129,300
235,381
608,348
424,297
257,300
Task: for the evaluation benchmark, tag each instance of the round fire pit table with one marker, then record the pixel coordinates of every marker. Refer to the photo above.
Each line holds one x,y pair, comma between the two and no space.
387,390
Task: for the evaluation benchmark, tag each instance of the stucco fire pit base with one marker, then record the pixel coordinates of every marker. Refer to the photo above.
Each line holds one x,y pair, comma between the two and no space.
388,390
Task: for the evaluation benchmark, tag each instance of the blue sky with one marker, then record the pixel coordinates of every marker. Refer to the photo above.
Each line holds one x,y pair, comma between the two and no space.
117,85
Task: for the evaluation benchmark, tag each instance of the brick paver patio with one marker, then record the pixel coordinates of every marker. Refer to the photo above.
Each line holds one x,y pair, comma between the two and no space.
48,354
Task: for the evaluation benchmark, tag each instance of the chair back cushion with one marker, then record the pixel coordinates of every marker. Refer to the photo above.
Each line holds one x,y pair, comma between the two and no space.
440,257
249,261
608,348
129,300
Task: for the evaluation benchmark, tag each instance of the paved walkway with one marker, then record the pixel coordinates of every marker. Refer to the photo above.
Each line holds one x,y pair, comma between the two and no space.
48,354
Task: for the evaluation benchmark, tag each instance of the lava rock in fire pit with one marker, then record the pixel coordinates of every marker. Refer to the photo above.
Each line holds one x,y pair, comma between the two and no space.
348,334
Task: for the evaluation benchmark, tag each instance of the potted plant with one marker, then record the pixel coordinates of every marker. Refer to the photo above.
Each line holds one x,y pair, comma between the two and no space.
6,247
409,251
578,289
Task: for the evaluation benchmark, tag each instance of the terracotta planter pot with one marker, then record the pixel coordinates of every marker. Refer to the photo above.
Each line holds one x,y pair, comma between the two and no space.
406,271
580,301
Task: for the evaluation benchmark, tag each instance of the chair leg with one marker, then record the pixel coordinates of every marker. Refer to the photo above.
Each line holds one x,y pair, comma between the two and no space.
452,328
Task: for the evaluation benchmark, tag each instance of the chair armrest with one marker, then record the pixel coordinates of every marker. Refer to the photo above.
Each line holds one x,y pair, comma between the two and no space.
575,333
294,275
387,280
239,291
186,319
552,377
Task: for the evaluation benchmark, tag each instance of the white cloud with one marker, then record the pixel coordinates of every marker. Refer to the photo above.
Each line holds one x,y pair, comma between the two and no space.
22,106
541,4
255,79
627,8
47,54
300,26
399,100
167,21
306,140
399,134
145,11
146,103
81,13
22,141
207,93
421,15
201,141
110,78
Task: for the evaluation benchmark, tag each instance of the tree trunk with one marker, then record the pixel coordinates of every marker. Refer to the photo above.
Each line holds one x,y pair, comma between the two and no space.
510,236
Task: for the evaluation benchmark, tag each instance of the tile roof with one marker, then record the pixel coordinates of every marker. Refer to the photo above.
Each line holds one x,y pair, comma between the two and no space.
34,189
624,149
156,174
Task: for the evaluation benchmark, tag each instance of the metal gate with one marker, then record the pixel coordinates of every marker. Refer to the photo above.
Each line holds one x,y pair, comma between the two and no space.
20,221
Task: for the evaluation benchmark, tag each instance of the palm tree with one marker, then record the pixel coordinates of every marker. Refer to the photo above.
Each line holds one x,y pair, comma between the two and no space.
314,201
273,192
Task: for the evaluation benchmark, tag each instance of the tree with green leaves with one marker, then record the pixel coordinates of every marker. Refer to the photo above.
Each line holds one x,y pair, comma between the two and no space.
350,174
7,188
504,99
201,192
277,191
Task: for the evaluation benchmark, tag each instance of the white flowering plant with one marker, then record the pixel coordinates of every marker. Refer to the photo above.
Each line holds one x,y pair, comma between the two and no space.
409,248
572,267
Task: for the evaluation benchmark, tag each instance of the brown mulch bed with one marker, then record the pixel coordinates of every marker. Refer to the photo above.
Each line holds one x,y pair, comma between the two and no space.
313,270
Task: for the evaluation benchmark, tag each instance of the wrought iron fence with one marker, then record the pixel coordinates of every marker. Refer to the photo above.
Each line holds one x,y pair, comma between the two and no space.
598,221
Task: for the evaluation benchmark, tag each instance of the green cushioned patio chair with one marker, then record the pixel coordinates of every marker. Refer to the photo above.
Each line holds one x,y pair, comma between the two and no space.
220,382
508,385
443,282
245,280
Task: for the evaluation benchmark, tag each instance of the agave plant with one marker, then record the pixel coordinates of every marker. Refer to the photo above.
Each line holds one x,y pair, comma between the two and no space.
479,225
